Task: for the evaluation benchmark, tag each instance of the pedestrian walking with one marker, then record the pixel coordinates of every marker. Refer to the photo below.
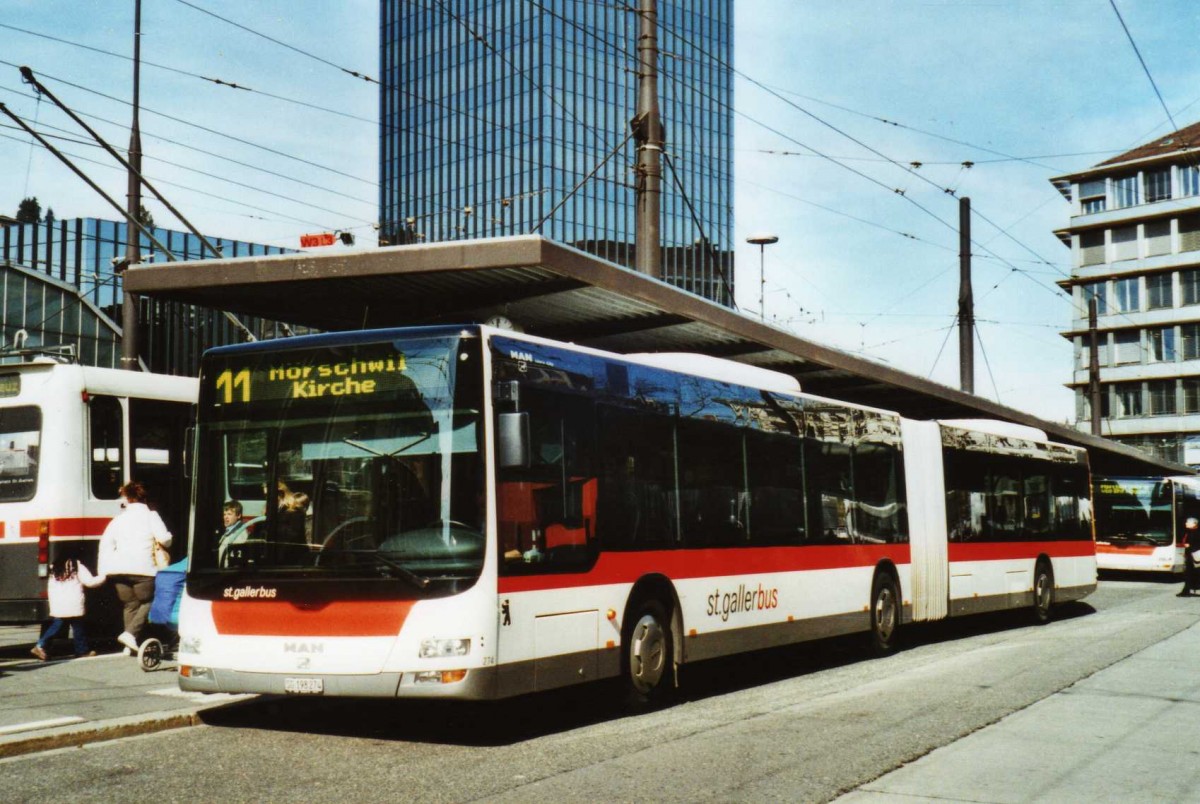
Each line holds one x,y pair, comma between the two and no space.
64,589
1191,551
128,551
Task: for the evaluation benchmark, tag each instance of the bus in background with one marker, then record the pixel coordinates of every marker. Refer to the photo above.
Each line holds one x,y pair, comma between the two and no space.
1141,521
475,513
70,436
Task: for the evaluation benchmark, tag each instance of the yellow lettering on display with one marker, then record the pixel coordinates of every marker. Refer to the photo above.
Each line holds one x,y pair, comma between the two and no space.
312,381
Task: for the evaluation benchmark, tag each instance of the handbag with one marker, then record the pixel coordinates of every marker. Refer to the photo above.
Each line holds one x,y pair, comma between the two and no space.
161,557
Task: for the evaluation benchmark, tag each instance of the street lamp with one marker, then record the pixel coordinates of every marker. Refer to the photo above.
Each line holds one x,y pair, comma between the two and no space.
762,240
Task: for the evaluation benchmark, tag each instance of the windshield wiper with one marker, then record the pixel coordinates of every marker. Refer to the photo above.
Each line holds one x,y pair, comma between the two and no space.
403,571
377,453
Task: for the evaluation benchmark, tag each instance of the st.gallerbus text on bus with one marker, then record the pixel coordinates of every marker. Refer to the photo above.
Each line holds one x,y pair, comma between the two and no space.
1141,522
70,436
474,513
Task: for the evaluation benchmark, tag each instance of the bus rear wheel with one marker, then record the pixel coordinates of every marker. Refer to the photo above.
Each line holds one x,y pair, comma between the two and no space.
1043,592
885,613
648,655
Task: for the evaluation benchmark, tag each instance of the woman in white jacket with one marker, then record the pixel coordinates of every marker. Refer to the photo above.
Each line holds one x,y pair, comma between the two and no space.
127,558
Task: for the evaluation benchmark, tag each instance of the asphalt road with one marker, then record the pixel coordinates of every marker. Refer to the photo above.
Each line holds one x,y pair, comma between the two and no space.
801,724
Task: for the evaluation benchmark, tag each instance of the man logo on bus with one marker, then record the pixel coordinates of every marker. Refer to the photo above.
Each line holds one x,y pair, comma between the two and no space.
741,601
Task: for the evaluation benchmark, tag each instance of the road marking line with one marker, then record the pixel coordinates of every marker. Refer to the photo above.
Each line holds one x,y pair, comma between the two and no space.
41,724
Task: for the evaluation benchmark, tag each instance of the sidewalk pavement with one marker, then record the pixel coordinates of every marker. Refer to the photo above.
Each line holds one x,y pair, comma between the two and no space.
1125,734
68,702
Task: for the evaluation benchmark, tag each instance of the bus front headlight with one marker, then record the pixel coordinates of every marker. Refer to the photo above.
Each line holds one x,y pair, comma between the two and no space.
434,648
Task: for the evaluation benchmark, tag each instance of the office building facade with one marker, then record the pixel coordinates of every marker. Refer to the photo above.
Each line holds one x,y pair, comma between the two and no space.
1134,237
504,117
60,286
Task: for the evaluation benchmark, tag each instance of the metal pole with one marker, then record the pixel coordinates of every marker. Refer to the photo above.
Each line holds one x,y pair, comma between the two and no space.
966,304
129,302
1094,366
649,132
762,282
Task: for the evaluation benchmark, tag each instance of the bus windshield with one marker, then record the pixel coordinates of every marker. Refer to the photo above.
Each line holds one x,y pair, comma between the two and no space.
351,462
1134,511
20,433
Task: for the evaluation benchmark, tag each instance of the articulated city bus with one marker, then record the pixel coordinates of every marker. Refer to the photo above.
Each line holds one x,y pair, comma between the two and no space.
1141,522
473,513
70,436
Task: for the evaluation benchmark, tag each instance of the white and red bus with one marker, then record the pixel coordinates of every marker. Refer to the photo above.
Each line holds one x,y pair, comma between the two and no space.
484,514
70,436
1141,522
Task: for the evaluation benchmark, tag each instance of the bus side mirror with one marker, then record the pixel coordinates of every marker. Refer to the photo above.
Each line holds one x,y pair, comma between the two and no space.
512,441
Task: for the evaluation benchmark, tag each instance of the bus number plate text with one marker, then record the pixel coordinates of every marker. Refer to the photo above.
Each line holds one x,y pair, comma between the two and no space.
304,686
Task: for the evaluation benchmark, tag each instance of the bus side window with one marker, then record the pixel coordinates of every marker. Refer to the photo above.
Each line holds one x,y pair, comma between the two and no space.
546,513
106,436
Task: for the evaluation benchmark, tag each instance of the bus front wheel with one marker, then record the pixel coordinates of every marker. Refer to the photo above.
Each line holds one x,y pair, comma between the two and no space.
885,613
649,655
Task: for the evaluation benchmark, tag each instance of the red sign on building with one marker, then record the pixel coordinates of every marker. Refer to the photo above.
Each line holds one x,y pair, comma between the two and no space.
314,240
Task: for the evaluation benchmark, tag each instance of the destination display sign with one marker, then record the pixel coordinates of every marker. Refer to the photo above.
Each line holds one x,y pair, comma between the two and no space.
316,376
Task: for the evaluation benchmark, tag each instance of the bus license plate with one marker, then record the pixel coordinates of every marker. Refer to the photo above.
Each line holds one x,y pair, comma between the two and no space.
304,686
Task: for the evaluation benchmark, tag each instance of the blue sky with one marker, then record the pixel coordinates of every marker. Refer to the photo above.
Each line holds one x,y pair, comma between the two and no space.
857,266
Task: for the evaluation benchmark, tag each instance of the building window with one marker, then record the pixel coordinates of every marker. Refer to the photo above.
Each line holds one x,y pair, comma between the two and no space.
1125,243
1162,345
1128,398
1127,347
1125,192
1189,284
1158,292
1189,233
1158,238
1189,180
1189,341
1091,248
1158,184
1125,295
1162,397
1191,394
1095,291
1091,196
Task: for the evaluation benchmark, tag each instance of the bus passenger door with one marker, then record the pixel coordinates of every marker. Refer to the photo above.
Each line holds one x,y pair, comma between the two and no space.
926,518
157,435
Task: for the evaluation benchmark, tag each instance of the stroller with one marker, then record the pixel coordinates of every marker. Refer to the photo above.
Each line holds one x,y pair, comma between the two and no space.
162,633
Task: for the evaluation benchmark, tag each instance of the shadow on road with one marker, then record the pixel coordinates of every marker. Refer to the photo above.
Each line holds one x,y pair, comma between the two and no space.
528,717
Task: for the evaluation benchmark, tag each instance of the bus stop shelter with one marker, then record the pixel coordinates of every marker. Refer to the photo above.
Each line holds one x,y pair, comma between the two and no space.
555,291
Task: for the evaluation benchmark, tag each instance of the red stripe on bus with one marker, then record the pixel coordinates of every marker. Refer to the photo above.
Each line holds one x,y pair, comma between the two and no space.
614,567
1136,550
66,526
343,618
995,551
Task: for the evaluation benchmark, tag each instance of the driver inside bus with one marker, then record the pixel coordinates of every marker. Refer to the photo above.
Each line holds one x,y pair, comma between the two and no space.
235,531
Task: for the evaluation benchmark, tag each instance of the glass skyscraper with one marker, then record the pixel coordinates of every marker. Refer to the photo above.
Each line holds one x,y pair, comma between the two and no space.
506,117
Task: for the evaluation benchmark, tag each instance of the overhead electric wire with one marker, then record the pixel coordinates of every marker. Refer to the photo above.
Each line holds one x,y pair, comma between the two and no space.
178,71
189,189
205,173
1142,61
864,145
272,39
213,131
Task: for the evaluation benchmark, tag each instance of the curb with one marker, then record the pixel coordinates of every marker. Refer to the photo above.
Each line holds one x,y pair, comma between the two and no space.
73,737
76,736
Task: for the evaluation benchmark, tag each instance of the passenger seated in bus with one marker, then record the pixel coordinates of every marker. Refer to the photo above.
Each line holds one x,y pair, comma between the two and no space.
293,511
